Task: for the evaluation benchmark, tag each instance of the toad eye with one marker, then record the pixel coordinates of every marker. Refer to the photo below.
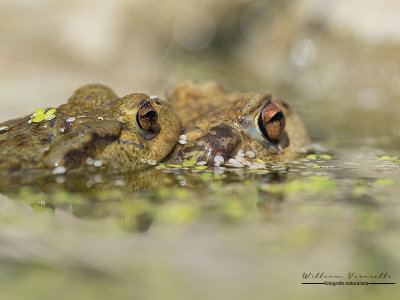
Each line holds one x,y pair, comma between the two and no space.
147,118
271,122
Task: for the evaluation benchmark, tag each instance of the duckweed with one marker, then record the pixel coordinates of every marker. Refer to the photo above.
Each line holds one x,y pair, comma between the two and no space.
325,156
174,166
189,163
312,156
384,182
201,167
40,115
311,185
388,158
316,156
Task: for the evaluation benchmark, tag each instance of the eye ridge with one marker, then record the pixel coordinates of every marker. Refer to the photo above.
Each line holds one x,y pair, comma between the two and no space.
143,103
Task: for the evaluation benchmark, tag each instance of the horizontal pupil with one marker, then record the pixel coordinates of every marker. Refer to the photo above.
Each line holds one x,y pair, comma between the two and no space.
150,115
277,117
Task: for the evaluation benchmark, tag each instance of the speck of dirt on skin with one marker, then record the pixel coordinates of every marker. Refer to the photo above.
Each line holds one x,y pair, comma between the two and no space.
250,154
234,163
240,153
59,170
242,160
71,119
218,160
182,139
257,166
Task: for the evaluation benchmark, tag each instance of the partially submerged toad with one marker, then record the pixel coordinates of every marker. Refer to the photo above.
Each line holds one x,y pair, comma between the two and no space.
98,128
234,128
95,127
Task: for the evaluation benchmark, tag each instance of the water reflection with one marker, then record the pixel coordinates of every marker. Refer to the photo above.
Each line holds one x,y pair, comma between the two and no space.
174,195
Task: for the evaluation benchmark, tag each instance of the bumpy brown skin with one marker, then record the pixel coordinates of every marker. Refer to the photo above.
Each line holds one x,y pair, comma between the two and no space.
220,123
105,129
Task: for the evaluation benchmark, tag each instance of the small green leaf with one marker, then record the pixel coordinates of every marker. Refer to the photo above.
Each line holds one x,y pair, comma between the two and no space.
388,158
39,111
384,182
312,156
189,163
49,117
174,166
201,167
50,111
38,118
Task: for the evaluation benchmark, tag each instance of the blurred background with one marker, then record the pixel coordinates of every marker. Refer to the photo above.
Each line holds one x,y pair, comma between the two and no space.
317,54
205,236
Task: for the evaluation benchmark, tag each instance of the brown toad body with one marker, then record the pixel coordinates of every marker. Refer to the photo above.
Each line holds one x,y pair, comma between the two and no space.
95,126
232,128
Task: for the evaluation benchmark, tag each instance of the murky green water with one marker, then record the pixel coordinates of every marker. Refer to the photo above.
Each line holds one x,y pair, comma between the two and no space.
220,233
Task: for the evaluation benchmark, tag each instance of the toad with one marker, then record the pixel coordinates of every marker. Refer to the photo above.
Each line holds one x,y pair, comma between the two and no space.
235,128
95,127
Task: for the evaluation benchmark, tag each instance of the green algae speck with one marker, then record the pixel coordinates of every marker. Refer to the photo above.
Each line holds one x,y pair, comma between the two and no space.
174,166
189,163
201,167
40,115
388,158
384,182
